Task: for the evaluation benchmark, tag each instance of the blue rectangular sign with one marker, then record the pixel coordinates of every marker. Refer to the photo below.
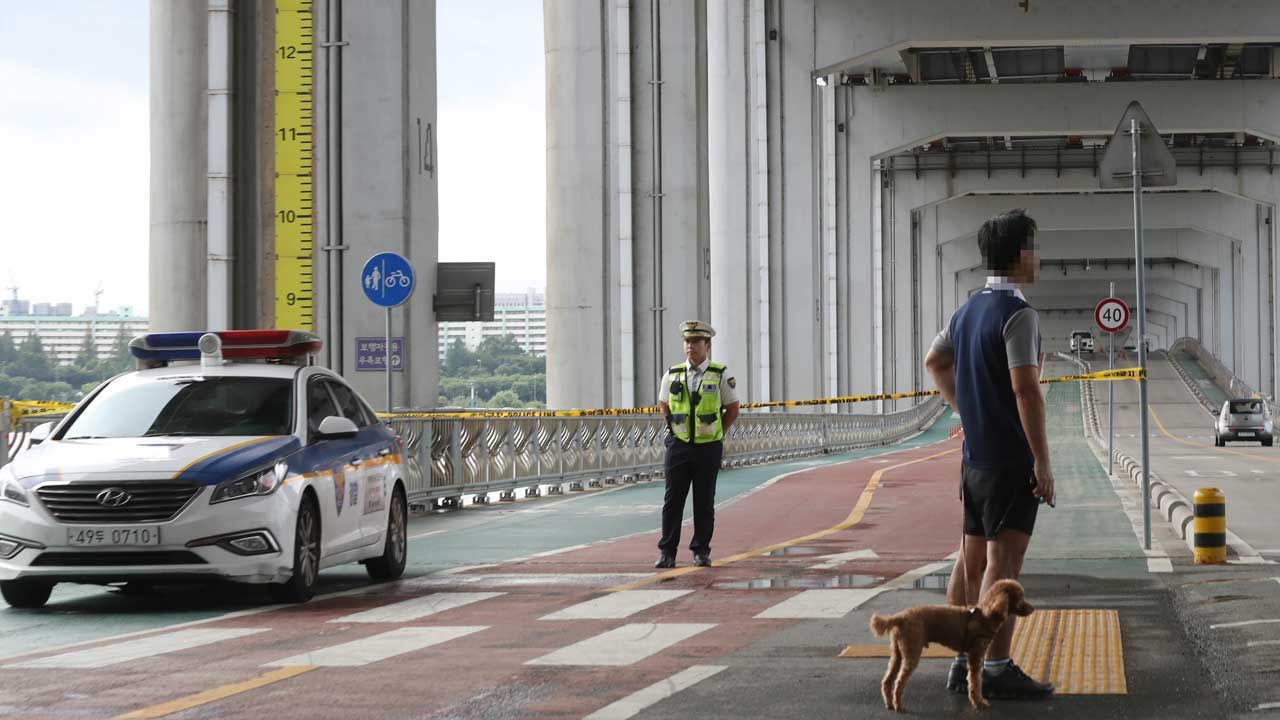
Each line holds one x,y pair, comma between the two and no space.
371,353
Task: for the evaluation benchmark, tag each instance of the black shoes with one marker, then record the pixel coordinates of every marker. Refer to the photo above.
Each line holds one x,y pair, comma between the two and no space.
669,561
1011,683
958,676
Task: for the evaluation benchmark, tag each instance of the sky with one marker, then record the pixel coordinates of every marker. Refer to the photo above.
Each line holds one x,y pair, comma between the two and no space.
74,164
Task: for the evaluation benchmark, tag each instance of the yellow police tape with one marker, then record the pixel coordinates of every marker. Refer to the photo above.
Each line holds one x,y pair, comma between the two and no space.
34,408
1103,375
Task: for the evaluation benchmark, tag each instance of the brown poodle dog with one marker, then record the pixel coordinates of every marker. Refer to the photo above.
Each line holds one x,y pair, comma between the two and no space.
965,630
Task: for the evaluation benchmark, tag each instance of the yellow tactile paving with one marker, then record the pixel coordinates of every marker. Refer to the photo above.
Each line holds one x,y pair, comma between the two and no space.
1080,651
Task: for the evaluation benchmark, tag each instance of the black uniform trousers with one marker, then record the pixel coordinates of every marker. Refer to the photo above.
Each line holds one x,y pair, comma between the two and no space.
688,465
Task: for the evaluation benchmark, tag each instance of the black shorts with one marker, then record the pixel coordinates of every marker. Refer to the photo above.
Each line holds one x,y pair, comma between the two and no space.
998,499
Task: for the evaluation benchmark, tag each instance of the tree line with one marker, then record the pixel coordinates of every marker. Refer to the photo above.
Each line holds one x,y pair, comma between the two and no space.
502,374
28,372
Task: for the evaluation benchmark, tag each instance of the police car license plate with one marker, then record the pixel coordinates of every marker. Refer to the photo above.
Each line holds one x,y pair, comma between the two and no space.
113,536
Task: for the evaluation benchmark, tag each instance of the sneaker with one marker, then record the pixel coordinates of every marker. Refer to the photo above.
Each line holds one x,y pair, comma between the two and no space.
665,561
958,677
702,560
1013,683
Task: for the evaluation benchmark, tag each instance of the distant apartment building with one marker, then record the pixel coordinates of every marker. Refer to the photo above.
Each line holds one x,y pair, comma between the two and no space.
64,336
523,315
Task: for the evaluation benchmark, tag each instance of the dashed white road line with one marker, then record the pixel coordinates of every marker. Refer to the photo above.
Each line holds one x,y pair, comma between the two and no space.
378,647
626,645
138,649
632,704
819,604
415,608
1261,643
616,606
836,603
1243,623
830,562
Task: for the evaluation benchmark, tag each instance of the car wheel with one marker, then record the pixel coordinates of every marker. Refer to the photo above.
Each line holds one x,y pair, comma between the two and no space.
26,593
1217,441
306,557
390,565
1267,443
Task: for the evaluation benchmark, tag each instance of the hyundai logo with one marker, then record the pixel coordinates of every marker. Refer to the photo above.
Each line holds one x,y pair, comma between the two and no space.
113,497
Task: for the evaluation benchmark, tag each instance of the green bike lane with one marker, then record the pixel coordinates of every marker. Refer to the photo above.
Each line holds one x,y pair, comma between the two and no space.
441,541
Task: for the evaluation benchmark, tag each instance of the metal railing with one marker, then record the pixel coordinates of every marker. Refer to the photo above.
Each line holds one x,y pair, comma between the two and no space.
1221,376
455,457
451,458
15,436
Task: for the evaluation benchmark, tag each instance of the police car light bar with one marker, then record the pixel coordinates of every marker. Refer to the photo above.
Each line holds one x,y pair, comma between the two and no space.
160,348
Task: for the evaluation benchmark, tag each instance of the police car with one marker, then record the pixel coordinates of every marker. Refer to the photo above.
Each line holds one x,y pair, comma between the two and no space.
250,466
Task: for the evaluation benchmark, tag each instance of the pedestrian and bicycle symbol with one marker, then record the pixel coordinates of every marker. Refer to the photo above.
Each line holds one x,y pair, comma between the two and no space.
1111,315
387,279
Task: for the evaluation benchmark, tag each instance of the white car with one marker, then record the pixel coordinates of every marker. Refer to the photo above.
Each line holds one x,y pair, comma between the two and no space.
1244,419
256,472
1081,341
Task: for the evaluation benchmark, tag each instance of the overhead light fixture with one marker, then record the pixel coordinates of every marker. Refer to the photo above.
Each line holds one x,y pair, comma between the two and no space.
821,80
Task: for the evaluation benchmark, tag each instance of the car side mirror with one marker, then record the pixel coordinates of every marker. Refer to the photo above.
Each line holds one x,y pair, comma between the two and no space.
337,427
40,433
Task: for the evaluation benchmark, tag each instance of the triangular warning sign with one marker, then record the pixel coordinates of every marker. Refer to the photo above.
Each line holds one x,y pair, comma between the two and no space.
1158,165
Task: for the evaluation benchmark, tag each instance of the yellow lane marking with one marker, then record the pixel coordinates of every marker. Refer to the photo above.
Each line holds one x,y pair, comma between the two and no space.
1087,657
855,517
1188,443
215,694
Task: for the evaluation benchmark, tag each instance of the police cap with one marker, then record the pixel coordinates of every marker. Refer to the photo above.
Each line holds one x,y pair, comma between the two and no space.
696,329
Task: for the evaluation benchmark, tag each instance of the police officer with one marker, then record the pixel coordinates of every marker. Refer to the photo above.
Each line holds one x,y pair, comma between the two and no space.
700,401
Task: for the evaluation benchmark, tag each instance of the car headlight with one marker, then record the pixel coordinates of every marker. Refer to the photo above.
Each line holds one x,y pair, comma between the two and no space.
258,482
12,490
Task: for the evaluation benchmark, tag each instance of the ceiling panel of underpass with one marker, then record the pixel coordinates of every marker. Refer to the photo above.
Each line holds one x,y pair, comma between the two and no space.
1057,63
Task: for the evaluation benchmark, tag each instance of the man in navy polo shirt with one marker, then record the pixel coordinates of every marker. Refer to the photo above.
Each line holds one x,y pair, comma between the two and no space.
986,363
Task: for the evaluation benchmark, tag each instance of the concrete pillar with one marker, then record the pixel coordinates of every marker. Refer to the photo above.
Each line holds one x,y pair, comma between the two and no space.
795,309
178,252
389,185
728,187
577,289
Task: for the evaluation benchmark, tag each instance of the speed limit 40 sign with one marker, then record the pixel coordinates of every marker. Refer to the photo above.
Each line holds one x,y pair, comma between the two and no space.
1111,315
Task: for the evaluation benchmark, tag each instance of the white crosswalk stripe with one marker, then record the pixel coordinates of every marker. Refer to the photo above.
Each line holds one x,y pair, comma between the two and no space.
419,607
626,645
138,649
616,606
632,704
378,647
817,604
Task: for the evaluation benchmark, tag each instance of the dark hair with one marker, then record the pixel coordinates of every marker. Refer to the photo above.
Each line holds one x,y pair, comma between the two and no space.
1003,238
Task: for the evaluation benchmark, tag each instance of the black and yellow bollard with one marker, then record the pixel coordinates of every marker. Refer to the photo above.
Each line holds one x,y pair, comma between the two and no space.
1210,526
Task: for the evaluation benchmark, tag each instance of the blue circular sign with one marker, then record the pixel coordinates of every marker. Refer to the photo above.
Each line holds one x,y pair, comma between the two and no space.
387,279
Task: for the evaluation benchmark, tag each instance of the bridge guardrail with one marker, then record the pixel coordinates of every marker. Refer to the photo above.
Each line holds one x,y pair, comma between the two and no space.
454,457
1225,379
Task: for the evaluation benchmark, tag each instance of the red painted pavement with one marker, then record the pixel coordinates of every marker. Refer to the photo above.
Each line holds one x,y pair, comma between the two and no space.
913,519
